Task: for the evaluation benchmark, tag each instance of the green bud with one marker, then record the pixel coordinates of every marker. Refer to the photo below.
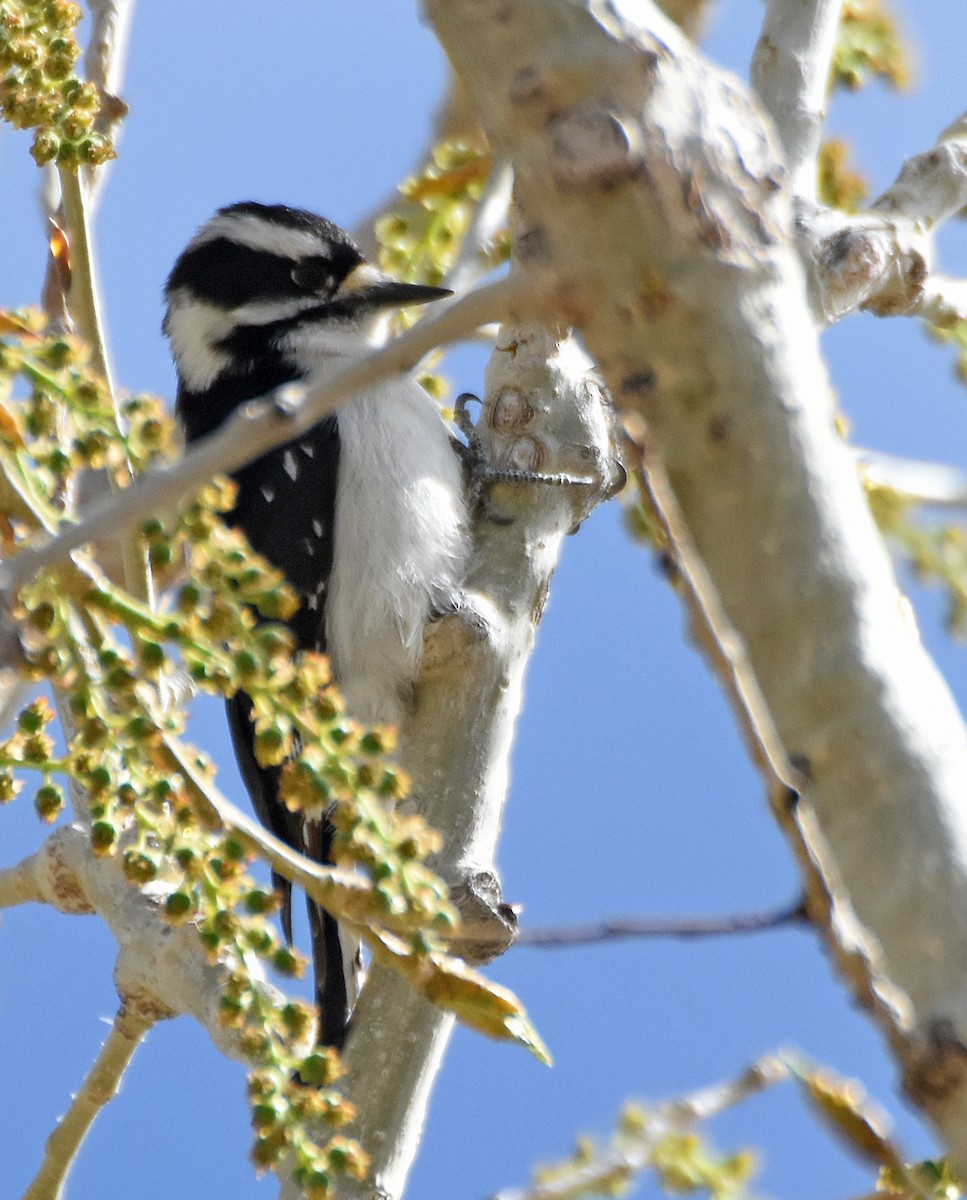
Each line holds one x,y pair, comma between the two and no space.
104,838
178,906
46,147
99,779
49,802
286,961
321,1068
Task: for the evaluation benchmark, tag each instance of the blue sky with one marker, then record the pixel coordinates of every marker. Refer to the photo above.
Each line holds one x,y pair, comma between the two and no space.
630,794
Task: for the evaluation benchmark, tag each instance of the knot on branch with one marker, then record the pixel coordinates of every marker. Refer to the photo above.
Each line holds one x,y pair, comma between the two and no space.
488,926
140,1005
871,266
58,871
594,145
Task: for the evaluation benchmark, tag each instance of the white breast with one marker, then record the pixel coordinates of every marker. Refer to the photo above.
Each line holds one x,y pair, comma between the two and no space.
400,543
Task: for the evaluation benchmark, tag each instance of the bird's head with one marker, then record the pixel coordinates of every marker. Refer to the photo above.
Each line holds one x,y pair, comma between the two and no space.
266,278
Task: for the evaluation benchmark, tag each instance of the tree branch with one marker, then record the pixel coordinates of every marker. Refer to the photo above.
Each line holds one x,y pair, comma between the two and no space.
617,1163
790,74
934,484
660,220
255,428
882,259
556,936
18,884
490,216
101,1086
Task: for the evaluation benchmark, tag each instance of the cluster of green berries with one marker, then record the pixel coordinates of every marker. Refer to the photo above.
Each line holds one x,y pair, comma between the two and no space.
59,418
419,239
38,87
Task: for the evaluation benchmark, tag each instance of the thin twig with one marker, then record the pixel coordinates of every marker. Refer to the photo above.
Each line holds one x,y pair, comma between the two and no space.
100,1086
345,893
256,428
84,305
83,300
630,1153
104,63
943,301
555,936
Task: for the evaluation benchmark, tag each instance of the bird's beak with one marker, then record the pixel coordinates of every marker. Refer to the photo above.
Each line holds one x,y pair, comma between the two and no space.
367,288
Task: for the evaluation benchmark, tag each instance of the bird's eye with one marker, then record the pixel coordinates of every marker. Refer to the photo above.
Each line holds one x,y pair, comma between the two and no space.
314,274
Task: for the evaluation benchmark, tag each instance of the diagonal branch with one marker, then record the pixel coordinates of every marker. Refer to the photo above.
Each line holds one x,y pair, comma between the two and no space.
257,427
101,1085
610,1170
882,260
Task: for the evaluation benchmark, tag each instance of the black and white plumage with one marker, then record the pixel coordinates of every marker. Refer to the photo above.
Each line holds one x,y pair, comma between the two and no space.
364,513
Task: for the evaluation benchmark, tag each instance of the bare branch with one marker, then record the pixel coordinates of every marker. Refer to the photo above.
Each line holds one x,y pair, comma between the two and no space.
255,428
630,1154
790,73
943,300
825,905
83,301
556,936
491,214
345,893
882,260
104,63
101,1086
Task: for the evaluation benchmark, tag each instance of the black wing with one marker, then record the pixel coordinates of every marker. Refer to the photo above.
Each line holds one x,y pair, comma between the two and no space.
286,507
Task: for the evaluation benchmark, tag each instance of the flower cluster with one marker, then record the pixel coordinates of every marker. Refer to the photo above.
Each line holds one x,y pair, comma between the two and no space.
38,87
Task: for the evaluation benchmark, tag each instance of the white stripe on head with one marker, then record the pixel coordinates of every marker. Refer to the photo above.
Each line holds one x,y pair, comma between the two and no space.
194,329
259,233
264,312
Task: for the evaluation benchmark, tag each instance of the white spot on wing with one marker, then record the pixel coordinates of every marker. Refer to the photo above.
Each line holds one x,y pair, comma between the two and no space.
289,463
268,493
317,527
307,449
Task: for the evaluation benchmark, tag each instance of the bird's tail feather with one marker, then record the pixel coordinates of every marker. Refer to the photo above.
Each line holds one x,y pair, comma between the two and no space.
335,950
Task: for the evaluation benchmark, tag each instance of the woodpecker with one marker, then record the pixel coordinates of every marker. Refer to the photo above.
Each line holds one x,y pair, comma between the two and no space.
364,514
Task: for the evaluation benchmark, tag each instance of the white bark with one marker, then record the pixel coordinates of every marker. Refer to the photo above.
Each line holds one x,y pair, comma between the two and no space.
661,220
790,73
882,259
161,969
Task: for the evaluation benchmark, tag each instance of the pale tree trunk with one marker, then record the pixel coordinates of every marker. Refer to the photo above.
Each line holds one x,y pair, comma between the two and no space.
660,223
